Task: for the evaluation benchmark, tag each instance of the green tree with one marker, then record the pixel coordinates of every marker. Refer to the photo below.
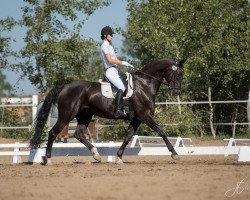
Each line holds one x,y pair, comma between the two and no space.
212,35
151,35
6,26
4,85
55,52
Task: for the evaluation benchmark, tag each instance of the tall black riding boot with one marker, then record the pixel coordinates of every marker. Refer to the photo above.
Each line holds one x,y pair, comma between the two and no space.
118,99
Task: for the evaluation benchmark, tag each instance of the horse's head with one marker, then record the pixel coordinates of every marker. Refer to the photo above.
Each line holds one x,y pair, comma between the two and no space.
174,76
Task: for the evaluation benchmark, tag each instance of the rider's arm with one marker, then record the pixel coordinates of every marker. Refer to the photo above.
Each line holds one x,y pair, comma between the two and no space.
113,61
117,61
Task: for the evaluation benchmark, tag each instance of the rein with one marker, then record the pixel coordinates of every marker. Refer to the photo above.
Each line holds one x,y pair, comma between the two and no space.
150,76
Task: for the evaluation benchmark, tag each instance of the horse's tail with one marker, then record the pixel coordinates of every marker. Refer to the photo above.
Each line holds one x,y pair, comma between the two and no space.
42,116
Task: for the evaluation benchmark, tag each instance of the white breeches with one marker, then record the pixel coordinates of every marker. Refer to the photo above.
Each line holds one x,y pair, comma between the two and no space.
113,76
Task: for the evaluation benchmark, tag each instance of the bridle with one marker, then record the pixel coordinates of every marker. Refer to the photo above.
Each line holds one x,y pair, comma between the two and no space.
172,84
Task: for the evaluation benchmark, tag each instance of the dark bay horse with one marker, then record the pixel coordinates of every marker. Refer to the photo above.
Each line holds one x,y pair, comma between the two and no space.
83,99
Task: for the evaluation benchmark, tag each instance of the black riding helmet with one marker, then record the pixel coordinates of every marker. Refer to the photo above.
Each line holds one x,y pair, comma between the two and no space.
107,30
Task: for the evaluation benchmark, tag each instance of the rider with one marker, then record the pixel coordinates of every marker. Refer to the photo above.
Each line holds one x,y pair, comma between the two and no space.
111,63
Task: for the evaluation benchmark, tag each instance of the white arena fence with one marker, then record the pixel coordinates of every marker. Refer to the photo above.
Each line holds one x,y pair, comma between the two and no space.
33,102
140,146
20,102
212,102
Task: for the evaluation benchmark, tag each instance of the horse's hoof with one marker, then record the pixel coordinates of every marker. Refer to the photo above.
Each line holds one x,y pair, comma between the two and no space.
96,155
175,156
97,158
44,160
118,161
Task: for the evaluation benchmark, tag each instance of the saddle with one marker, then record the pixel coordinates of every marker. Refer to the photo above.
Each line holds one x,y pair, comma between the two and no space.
108,90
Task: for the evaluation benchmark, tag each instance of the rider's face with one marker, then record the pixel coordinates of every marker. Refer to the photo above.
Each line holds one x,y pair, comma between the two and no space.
109,37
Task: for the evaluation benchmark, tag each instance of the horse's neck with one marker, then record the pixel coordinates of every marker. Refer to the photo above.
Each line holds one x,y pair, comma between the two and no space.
149,82
158,75
152,76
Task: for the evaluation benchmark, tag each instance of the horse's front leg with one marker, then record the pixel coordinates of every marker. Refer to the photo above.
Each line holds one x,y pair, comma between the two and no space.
153,125
131,130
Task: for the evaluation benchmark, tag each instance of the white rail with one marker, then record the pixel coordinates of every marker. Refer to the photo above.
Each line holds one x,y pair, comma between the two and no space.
136,149
201,102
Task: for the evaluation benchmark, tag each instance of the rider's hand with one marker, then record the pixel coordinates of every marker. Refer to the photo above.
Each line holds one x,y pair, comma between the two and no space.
129,66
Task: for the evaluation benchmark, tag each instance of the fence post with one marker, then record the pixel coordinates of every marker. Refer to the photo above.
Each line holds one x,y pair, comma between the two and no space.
248,113
17,158
211,112
135,141
36,155
34,107
111,158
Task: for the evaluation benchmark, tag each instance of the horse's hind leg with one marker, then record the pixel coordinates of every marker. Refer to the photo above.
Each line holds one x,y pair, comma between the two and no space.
131,130
57,128
83,122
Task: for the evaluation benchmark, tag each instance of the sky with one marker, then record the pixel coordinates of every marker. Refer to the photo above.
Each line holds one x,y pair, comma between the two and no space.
115,16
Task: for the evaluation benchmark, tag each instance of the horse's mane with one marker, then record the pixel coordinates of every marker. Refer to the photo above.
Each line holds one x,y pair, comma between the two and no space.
155,62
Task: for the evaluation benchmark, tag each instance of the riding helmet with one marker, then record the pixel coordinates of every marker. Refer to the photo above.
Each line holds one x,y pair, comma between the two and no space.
107,30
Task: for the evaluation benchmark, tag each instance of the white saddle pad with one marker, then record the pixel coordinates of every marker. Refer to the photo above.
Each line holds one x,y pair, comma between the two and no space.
107,91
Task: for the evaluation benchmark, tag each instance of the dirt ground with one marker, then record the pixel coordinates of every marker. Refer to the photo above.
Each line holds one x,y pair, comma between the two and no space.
147,177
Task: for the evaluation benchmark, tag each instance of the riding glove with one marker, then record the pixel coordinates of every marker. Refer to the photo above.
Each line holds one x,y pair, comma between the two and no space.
129,66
